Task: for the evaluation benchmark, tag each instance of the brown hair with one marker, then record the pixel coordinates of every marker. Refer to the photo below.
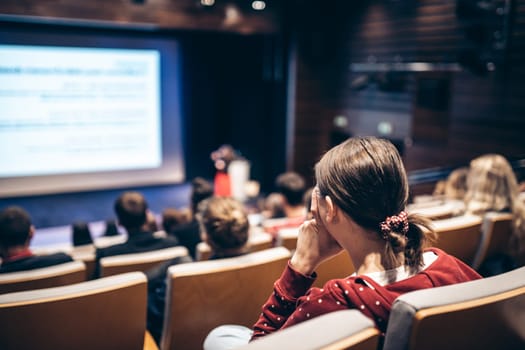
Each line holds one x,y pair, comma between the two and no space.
366,179
456,183
225,222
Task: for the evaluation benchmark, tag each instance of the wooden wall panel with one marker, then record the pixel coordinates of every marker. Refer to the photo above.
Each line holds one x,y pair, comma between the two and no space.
484,113
228,16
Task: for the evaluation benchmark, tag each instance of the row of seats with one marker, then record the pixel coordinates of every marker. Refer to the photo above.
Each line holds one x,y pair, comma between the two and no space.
109,313
483,314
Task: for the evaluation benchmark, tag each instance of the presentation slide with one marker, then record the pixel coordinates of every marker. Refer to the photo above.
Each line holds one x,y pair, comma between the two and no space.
85,110
70,110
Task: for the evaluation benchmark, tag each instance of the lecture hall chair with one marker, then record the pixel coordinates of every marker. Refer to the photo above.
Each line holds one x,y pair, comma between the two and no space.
256,242
107,313
496,234
483,314
203,295
339,330
142,262
459,236
46,277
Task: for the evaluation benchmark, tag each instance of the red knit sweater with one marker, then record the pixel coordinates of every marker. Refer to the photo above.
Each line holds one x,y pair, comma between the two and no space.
293,301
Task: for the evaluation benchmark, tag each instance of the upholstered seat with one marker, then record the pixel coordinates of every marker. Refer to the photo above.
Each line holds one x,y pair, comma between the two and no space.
46,277
483,314
346,329
206,294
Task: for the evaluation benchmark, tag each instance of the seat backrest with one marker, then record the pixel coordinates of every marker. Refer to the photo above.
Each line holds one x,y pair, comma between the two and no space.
339,266
459,236
487,314
256,242
339,330
107,313
287,237
46,277
496,232
440,210
113,265
203,295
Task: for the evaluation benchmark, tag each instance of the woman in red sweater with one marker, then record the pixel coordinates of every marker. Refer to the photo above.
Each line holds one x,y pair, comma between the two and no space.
358,206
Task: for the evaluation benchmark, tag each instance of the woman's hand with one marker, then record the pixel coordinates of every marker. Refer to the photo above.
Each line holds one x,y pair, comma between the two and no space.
314,243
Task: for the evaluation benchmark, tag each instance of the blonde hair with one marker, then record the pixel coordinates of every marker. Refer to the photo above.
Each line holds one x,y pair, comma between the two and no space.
456,184
492,186
225,223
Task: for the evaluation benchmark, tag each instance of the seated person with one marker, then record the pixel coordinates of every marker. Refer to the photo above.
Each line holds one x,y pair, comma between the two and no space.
225,228
358,206
292,187
132,211
188,234
16,232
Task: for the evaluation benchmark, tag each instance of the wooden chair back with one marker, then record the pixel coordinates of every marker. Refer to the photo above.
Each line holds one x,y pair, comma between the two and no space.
256,242
113,265
107,313
46,277
339,330
496,233
483,314
203,295
459,236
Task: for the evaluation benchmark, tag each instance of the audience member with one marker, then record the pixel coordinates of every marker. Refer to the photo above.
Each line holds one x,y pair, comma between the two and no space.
81,233
358,206
16,232
291,186
225,228
173,218
273,206
492,186
188,234
131,209
456,184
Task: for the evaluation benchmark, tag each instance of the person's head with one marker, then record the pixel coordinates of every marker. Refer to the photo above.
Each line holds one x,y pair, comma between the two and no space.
456,184
81,233
273,206
491,185
365,178
131,209
292,186
171,218
16,229
200,190
224,224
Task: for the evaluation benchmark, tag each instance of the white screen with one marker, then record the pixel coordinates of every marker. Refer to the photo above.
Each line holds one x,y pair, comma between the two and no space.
83,118
67,110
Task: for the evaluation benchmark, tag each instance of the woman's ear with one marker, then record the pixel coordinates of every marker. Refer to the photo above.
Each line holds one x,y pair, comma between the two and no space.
331,211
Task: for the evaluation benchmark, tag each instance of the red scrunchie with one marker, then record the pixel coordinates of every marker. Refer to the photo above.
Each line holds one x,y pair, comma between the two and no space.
395,223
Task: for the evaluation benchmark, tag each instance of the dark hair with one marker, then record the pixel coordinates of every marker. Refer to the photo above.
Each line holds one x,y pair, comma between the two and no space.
81,233
131,208
200,190
365,177
225,222
171,218
15,226
292,186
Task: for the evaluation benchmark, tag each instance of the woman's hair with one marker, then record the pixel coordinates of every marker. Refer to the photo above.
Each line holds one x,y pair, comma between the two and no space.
456,184
492,186
225,223
366,179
